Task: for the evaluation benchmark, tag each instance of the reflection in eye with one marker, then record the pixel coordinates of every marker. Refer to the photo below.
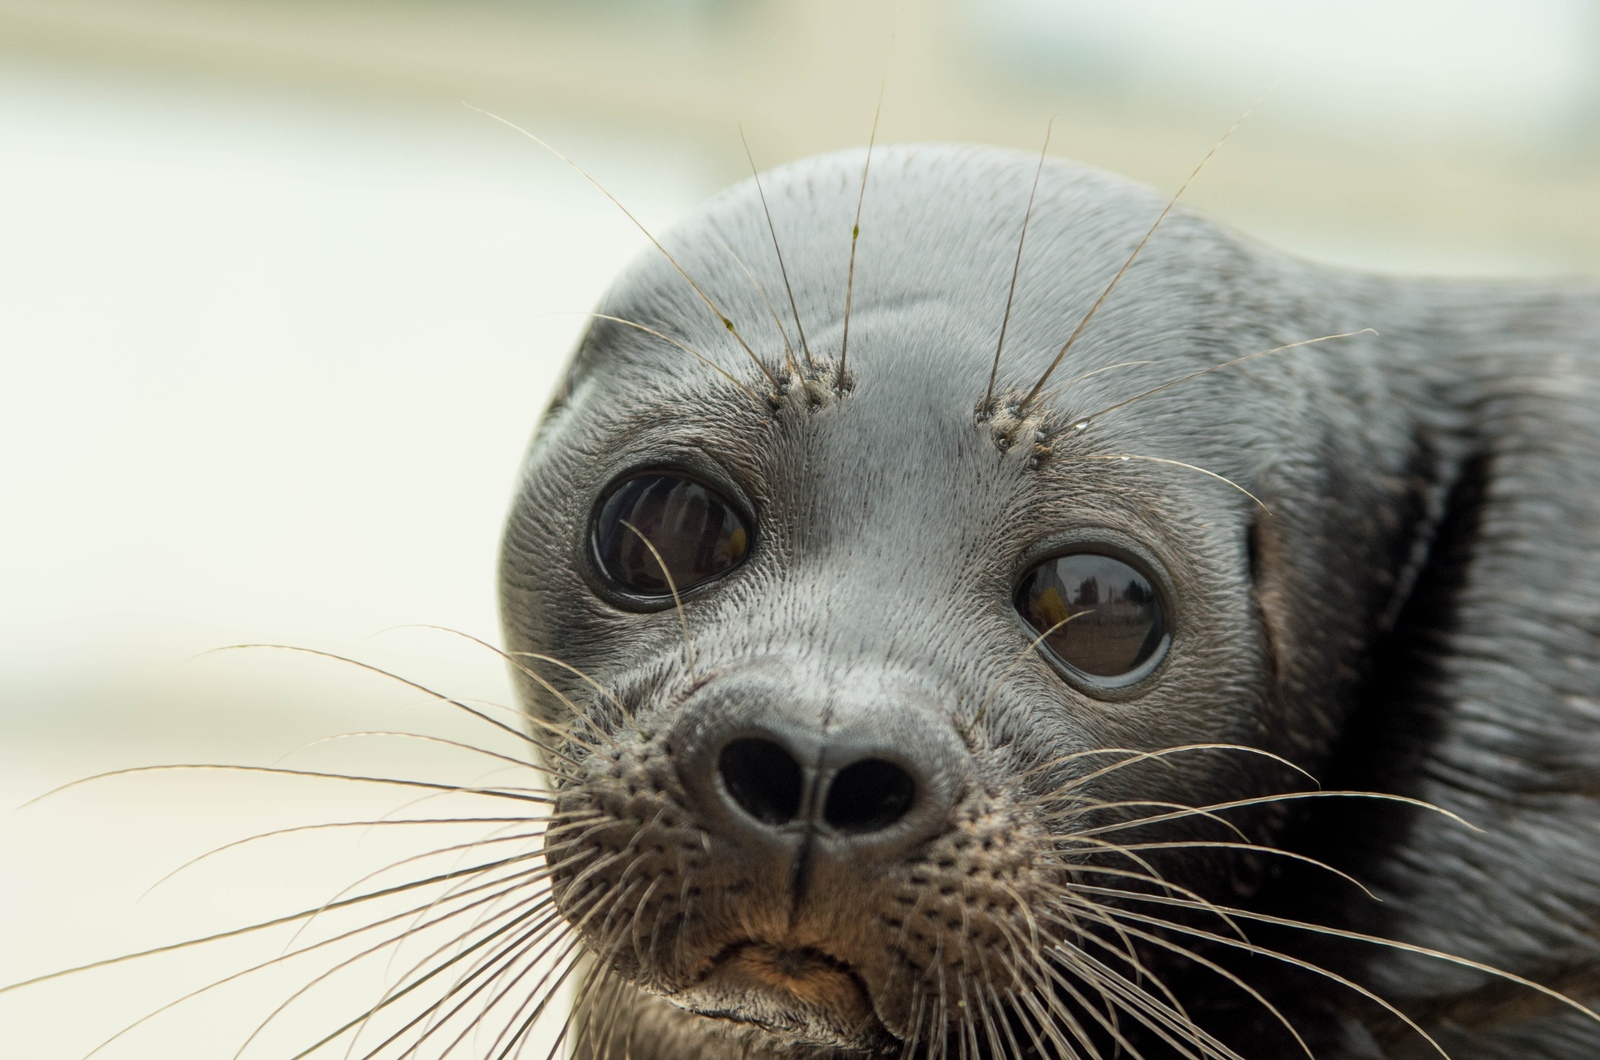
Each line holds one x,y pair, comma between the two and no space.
1108,617
698,535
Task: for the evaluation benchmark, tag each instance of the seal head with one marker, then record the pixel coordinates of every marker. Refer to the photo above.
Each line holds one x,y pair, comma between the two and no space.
906,716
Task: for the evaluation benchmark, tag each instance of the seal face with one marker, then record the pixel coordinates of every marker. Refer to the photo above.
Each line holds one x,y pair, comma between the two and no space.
910,711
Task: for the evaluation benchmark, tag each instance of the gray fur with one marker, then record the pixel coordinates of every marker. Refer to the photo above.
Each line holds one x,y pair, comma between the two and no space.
1414,611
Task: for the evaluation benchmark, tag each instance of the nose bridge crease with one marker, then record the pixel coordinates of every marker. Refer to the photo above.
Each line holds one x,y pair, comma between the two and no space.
813,795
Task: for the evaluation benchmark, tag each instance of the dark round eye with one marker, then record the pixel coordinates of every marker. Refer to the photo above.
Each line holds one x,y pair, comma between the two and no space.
691,531
1103,616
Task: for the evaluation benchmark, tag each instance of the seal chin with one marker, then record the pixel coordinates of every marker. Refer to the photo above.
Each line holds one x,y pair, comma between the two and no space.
796,992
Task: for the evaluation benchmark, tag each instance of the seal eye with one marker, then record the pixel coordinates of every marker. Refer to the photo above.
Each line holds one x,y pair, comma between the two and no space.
698,534
1105,617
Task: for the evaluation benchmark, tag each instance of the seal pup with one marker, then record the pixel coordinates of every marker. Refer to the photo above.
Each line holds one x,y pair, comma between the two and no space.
962,656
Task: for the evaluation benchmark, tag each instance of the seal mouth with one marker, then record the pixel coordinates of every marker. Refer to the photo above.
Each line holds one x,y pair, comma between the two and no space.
796,991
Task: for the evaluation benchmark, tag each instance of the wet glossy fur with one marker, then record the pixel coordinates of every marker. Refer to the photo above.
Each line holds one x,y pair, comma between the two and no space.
1413,607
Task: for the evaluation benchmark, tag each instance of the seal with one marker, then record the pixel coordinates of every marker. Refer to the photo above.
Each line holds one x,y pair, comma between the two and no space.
967,621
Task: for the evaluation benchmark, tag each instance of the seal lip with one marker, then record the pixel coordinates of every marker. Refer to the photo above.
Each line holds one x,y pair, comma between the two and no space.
812,996
680,465
1119,545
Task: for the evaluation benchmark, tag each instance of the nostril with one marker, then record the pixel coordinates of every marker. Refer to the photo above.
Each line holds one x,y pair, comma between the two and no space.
763,778
868,796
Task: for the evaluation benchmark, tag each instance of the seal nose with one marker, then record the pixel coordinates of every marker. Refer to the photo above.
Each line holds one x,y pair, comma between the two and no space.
846,786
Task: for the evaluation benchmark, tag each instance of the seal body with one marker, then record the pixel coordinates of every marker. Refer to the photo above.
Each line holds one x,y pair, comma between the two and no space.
843,792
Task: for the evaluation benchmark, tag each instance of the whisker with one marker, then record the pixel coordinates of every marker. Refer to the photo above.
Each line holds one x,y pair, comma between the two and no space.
1079,805
385,944
1016,268
685,347
1293,961
599,1026
600,1023
1106,985
525,856
1263,800
1135,756
942,1011
1173,1027
1106,293
505,958
1176,463
788,348
621,900
1066,910
1021,657
520,763
1250,991
596,901
1023,1008
285,957
989,1001
1083,422
251,928
387,1001
1091,373
1394,944
969,1030
855,236
538,876
553,661
514,658
914,1034
325,826
1161,883
1022,907
677,601
1163,1019
721,316
1166,1008
1124,951
772,230
1024,1002
517,794
636,921
381,672
538,1010
560,1039
583,875
1254,848
486,969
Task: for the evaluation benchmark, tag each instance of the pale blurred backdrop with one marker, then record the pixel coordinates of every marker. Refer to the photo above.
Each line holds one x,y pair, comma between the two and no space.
278,312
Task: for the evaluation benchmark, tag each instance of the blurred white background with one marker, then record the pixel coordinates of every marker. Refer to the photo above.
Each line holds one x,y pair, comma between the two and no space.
277,315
